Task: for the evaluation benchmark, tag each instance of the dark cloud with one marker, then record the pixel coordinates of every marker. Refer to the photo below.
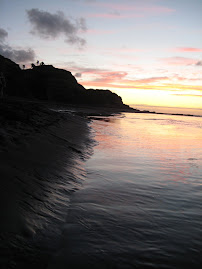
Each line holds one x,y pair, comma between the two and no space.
78,75
16,55
199,63
48,25
3,35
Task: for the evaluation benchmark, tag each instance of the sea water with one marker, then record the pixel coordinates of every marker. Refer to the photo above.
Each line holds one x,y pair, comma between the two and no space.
141,203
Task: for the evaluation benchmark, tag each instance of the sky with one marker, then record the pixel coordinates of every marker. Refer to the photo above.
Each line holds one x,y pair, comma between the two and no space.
147,51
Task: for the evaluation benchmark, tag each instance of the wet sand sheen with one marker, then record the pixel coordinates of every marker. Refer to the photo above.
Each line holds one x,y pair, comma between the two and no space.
42,154
140,204
142,186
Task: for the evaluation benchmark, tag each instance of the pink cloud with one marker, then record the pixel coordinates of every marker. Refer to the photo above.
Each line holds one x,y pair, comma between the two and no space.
145,9
106,15
151,80
179,61
188,49
120,77
105,78
110,76
178,78
117,11
119,80
113,79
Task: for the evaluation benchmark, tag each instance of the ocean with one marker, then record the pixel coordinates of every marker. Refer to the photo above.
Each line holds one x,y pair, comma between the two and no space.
140,205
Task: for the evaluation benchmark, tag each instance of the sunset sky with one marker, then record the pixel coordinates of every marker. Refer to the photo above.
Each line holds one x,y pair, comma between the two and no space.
147,51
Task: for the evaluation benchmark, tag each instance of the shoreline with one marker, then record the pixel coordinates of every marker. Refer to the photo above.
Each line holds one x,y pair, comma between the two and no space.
89,110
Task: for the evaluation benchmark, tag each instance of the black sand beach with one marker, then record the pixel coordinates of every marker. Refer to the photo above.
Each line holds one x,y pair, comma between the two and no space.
41,152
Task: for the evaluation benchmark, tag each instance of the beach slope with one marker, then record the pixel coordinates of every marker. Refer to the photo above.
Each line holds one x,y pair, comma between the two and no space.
42,152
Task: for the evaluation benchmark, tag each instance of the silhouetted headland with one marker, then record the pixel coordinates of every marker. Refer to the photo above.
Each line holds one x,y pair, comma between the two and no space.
47,83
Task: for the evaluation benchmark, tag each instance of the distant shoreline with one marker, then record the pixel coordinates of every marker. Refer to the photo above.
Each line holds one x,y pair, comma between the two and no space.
196,112
171,114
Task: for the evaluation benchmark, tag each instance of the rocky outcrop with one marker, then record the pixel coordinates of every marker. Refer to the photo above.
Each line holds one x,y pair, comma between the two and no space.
102,98
46,82
7,66
49,83
11,72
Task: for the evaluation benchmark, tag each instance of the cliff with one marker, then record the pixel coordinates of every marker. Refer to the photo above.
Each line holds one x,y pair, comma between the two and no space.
46,82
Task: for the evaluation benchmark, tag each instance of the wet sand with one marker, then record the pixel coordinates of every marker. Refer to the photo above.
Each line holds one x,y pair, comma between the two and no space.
41,156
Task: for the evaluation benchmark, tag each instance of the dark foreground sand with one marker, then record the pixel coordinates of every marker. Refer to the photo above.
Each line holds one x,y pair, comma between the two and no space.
41,156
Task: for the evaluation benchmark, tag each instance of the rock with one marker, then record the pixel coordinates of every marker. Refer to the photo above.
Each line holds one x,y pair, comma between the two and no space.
46,82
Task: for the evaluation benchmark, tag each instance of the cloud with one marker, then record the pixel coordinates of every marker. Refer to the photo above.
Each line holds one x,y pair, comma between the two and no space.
74,67
48,25
134,7
129,10
18,55
114,77
120,80
151,80
105,78
106,16
3,35
188,49
78,75
199,63
179,61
